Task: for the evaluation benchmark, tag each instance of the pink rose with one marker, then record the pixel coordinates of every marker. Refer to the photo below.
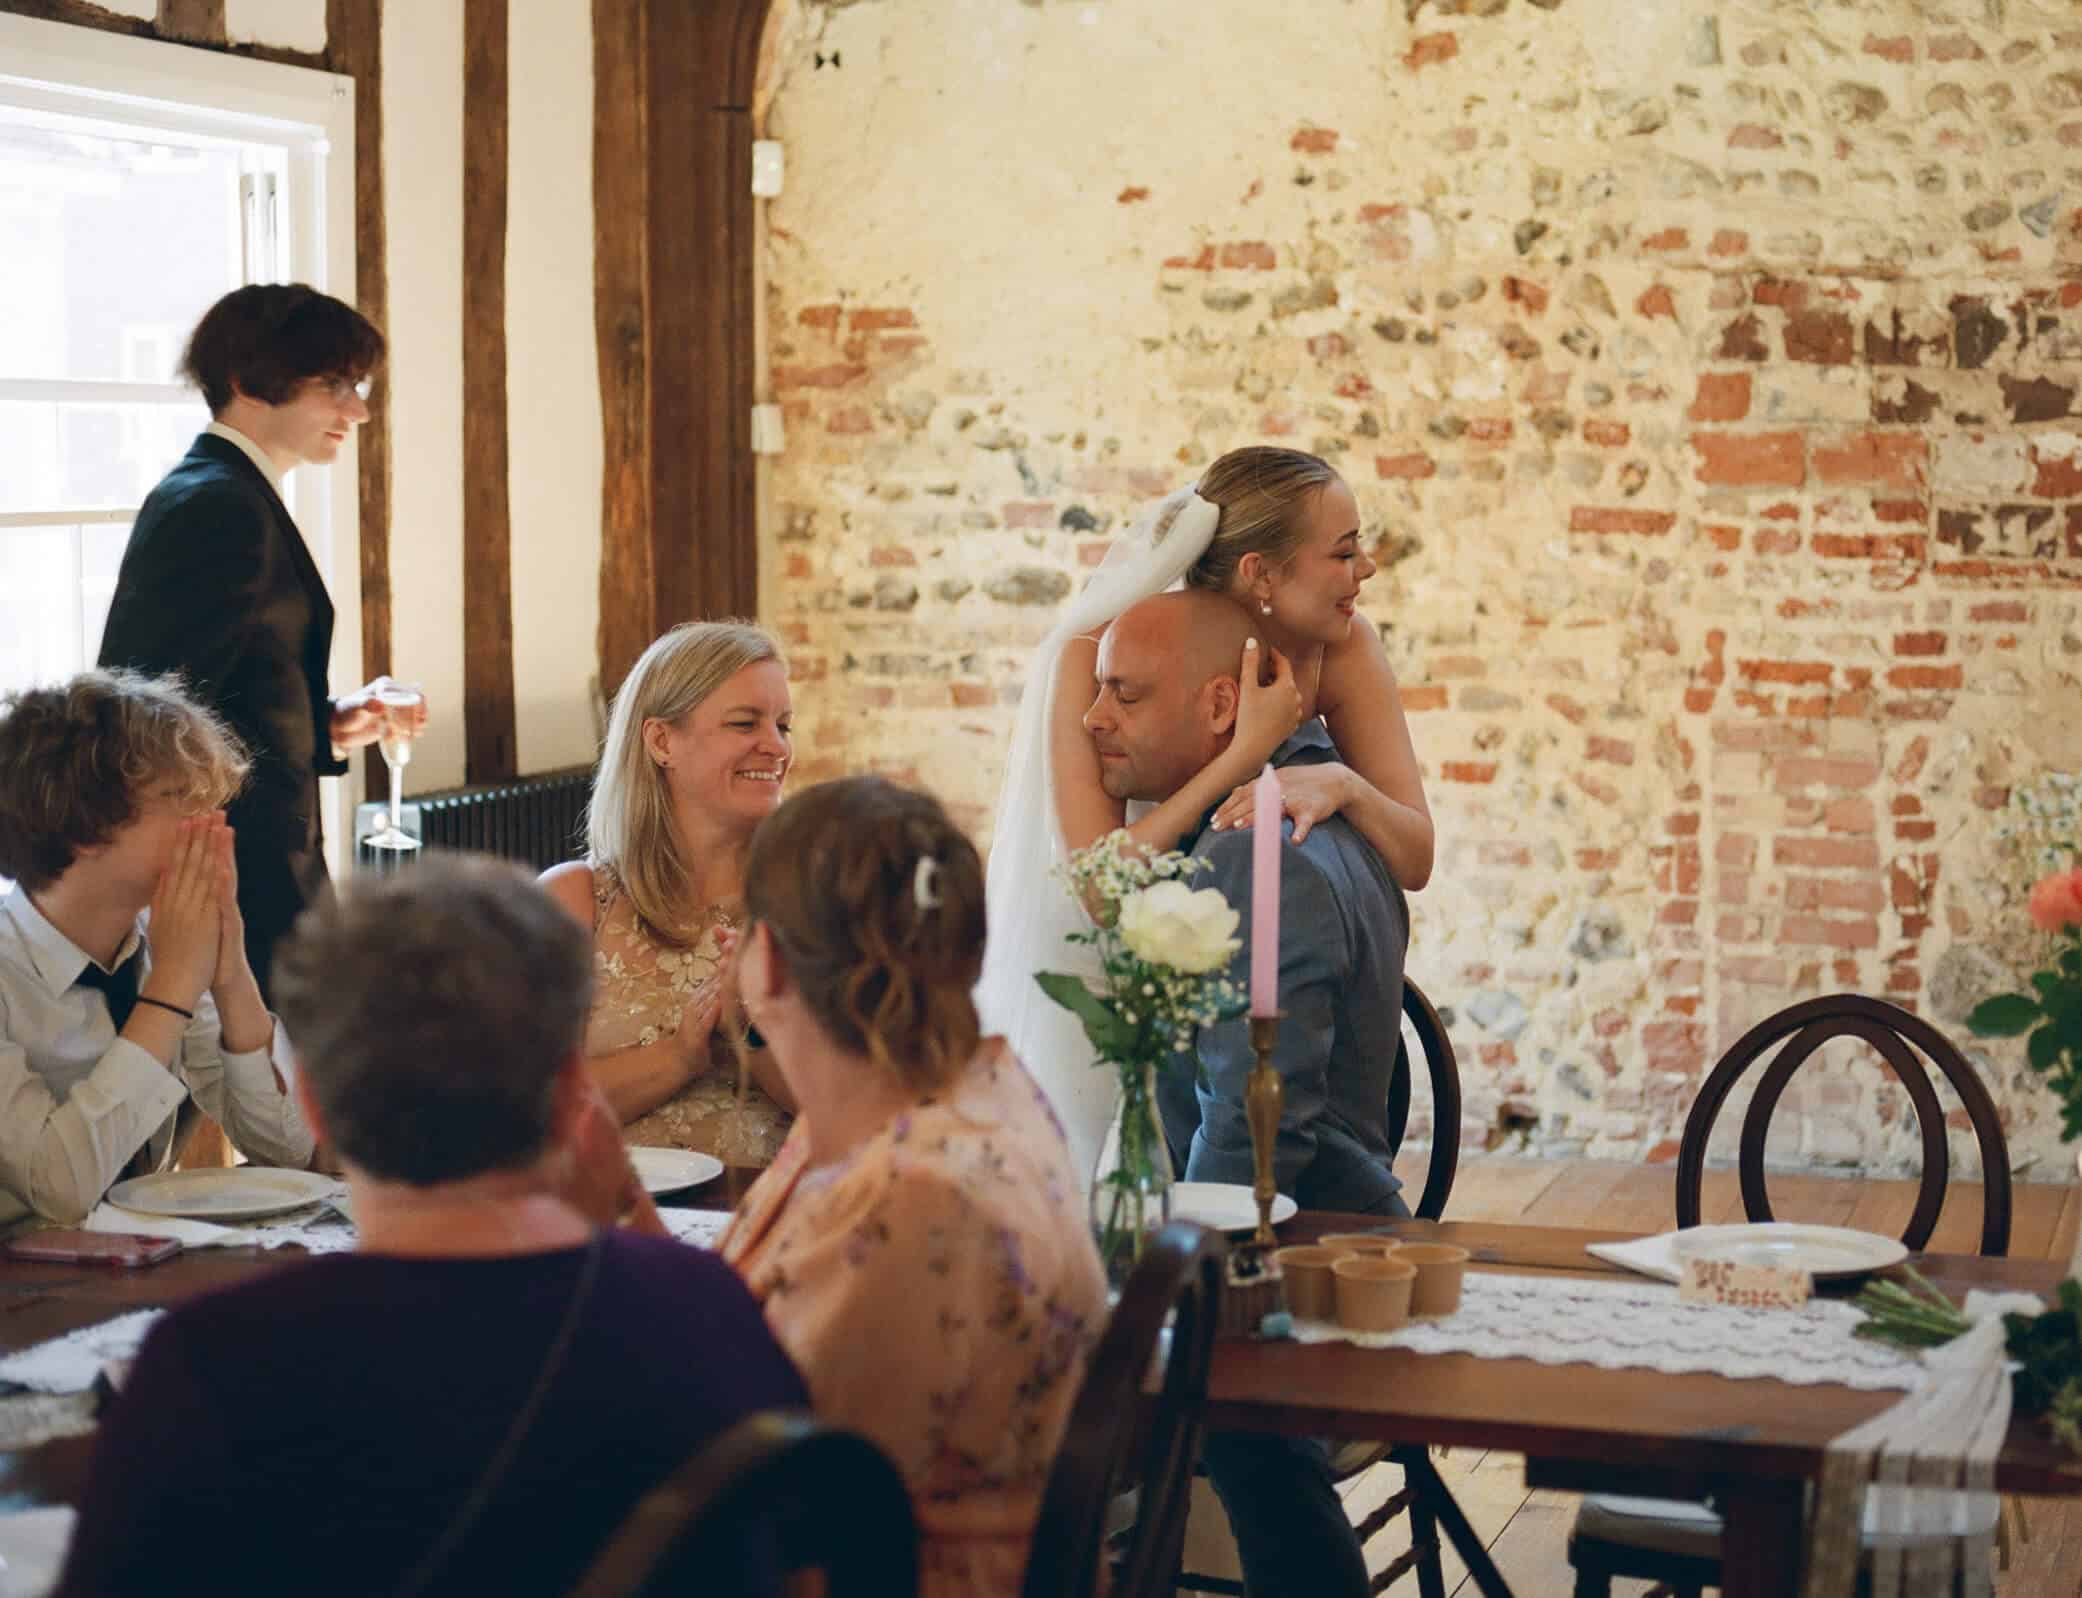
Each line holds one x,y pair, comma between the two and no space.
2056,903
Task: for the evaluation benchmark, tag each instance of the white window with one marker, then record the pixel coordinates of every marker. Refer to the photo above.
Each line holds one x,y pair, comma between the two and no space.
139,181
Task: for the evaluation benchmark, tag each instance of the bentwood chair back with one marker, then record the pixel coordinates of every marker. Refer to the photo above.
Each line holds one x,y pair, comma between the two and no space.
1678,1544
1443,1066
824,1499
1904,1041
1117,1442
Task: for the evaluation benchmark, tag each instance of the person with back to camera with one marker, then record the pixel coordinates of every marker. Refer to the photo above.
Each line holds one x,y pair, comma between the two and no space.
474,1399
920,1245
1278,533
697,748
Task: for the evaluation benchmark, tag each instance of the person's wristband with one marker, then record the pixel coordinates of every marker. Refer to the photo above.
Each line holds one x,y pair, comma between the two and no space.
185,1015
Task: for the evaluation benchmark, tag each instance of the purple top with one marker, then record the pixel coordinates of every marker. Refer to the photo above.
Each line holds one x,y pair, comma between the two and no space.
316,1431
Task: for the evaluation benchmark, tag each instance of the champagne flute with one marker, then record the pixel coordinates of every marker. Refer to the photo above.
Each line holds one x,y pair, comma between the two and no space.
398,701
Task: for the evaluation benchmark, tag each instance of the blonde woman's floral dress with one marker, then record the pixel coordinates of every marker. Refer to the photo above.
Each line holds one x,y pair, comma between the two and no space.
640,987
939,1291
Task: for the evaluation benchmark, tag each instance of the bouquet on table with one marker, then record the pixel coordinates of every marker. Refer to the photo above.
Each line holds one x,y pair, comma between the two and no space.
1163,947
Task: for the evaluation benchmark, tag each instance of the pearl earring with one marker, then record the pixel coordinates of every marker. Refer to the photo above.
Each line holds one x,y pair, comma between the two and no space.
1266,606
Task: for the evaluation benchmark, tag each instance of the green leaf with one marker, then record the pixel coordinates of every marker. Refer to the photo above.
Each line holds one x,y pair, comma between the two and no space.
2071,960
2004,1016
2044,1048
1110,1035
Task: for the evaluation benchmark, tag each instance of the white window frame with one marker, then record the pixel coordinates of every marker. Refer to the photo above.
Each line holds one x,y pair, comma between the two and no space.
309,116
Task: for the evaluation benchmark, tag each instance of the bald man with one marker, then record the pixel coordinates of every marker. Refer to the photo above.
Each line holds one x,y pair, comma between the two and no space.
1166,706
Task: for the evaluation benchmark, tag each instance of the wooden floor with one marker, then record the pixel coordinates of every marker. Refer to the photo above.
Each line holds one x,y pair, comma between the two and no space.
1527,1532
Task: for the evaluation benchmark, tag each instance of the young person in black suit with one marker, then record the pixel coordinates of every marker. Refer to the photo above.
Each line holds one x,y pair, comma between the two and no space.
217,584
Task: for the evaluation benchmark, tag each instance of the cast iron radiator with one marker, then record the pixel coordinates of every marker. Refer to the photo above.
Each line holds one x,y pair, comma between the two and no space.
537,821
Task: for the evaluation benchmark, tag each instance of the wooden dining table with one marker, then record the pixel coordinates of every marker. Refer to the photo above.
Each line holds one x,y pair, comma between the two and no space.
1752,1446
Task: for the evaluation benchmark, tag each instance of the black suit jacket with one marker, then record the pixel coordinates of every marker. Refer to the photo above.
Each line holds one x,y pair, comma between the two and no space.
217,584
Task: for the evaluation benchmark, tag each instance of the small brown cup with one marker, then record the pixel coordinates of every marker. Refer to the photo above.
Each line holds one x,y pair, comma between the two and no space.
1373,1292
1440,1267
1311,1289
1373,1244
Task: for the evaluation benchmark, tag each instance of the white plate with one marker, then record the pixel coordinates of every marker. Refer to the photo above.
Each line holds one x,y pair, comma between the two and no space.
236,1193
1225,1206
671,1170
1821,1251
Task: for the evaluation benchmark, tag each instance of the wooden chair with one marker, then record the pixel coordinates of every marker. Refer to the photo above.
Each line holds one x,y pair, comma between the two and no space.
1678,1543
1117,1444
1897,1036
1443,1067
832,1500
1423,1496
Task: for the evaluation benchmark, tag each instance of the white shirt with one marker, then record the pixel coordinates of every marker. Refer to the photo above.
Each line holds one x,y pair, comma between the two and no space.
254,453
77,1101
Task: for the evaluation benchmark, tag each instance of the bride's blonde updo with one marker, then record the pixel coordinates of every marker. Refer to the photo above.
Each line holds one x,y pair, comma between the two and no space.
1262,493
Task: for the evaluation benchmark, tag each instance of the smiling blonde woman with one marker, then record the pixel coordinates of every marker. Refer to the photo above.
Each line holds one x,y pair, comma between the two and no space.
697,749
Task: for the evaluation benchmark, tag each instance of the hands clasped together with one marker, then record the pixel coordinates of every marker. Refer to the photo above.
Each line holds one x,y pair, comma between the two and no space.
199,937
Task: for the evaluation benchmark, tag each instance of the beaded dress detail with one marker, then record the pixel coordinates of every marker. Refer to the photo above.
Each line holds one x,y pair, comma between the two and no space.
640,988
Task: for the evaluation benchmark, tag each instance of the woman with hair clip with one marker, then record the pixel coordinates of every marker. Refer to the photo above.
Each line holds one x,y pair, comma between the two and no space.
697,748
924,1198
1277,531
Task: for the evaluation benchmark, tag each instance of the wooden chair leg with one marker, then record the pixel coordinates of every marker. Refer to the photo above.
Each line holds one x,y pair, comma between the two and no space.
1424,1534
1429,1490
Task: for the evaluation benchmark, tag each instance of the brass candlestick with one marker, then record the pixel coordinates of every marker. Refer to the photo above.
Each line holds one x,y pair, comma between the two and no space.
1262,1100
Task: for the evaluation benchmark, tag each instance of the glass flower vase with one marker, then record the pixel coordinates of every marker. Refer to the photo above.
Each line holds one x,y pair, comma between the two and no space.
1131,1189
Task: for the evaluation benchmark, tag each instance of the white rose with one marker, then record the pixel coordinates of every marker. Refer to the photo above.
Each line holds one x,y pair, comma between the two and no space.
1171,924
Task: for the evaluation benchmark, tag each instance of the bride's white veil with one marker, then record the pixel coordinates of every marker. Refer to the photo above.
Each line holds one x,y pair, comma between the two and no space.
1031,911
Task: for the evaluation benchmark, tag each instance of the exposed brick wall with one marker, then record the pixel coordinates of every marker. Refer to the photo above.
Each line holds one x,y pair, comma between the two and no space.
1707,376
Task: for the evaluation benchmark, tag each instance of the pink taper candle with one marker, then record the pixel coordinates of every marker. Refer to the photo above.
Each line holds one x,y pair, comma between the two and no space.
1265,895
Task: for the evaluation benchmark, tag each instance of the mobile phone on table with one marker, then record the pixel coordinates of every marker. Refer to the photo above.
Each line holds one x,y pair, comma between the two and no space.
64,1245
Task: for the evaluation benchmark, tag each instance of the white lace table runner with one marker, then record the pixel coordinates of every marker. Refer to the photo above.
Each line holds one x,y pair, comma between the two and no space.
320,1229
27,1419
1559,1320
702,1228
69,1364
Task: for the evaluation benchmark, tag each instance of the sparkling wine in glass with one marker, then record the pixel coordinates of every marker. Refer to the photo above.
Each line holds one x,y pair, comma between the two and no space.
398,701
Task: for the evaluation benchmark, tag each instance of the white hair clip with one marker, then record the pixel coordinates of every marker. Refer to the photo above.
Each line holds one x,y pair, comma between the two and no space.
925,883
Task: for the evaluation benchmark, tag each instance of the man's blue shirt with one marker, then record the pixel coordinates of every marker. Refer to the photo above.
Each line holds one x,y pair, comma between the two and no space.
1344,928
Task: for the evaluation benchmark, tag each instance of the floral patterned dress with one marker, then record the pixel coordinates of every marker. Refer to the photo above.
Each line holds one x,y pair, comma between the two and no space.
640,987
939,1292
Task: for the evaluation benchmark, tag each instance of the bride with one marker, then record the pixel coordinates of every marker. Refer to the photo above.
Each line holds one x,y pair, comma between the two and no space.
1277,531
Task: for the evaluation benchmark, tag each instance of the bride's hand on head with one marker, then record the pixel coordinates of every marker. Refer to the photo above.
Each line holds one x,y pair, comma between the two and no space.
1307,794
1266,712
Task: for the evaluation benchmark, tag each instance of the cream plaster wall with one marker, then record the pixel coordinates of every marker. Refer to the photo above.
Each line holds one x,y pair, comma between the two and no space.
285,24
553,382
423,180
